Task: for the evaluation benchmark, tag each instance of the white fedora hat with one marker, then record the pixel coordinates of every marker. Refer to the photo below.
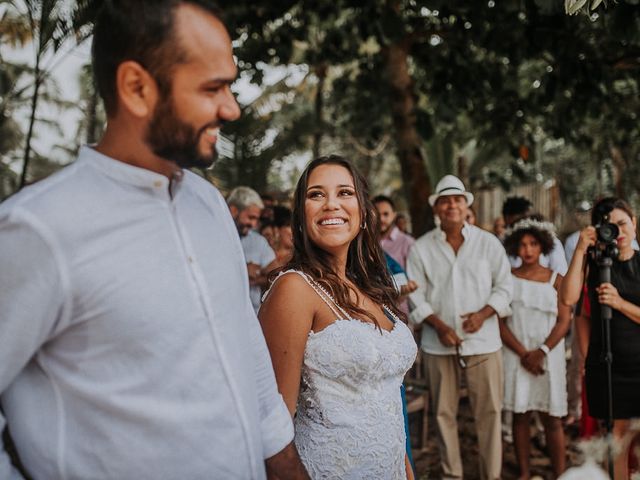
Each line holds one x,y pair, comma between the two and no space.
450,185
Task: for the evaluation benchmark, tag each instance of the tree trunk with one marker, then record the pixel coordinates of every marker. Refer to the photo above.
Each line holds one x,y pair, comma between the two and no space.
412,163
463,170
619,167
321,74
32,121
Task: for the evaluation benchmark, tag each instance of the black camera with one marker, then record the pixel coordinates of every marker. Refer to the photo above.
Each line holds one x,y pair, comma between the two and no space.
607,235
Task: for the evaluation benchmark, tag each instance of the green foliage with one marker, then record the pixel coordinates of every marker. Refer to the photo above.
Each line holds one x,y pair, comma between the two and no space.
489,80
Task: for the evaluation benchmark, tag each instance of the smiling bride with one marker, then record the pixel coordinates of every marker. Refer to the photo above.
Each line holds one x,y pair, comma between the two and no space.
338,347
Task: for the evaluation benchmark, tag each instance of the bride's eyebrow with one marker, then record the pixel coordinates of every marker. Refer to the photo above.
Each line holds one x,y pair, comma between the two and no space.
322,187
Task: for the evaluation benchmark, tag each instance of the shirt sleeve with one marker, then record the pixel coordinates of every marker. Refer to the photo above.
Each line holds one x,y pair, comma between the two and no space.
31,302
276,425
268,255
570,247
421,308
502,283
557,258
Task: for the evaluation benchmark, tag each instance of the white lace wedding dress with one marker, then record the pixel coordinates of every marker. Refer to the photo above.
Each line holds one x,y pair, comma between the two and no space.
349,422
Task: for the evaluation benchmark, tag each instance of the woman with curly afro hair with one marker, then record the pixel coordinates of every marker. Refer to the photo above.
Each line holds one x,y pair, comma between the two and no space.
534,363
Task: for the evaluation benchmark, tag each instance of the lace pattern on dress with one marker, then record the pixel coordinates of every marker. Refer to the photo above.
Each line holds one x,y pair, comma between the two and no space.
349,422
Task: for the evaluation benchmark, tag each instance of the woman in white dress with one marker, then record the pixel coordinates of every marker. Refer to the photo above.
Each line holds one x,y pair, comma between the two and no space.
338,348
534,362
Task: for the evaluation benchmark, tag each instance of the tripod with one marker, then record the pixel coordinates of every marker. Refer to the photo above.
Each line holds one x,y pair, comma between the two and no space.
604,276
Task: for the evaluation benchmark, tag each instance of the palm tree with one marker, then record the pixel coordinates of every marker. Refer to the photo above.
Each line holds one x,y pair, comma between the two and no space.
52,23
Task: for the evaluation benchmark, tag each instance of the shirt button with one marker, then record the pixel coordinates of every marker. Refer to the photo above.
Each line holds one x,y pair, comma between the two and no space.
190,259
157,183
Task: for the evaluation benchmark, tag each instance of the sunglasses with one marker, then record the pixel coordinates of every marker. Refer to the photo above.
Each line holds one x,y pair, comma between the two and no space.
463,363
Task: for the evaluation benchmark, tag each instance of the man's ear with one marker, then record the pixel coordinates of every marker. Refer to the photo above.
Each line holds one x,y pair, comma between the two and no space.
234,211
136,88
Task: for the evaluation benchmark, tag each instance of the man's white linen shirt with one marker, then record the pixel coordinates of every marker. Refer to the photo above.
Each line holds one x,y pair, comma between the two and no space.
451,285
128,345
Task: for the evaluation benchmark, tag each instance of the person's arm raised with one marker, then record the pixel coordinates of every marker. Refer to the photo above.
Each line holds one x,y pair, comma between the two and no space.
563,321
569,292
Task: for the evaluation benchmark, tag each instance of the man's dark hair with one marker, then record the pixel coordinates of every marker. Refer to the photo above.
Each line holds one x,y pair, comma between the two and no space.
383,198
142,31
516,206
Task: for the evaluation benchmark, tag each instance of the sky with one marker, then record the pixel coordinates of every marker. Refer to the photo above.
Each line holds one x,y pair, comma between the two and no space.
66,66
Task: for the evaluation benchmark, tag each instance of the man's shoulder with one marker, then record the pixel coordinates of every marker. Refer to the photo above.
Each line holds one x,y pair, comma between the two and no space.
199,183
482,235
257,241
405,237
429,237
62,188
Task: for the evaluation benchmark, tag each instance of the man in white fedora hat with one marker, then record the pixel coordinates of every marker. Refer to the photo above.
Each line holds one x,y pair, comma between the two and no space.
464,284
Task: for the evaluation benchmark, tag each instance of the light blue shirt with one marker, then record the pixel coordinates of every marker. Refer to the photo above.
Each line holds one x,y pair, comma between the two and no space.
256,250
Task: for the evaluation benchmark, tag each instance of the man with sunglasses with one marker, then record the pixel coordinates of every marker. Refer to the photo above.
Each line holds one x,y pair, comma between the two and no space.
464,283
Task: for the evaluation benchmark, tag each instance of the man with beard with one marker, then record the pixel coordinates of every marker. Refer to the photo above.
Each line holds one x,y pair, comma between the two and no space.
393,241
396,244
246,206
128,345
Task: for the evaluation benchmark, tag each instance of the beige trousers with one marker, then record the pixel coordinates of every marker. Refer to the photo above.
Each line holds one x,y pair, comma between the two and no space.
484,376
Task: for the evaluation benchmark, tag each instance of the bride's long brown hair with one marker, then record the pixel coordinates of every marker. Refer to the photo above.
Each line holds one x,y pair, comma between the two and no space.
366,264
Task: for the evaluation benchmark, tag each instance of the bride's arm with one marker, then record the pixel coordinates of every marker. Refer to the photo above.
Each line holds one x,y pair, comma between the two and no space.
286,317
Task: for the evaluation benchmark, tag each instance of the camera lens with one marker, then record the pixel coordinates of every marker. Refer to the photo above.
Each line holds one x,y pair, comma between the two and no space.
608,232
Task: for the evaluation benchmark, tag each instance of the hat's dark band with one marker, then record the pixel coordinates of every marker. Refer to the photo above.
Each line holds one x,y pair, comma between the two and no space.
450,188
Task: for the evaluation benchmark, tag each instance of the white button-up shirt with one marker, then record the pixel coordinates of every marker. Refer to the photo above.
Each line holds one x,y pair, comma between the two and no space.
451,285
128,345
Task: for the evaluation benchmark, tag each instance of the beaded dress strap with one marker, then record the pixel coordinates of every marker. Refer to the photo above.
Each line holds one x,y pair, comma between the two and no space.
390,315
329,300
338,311
322,293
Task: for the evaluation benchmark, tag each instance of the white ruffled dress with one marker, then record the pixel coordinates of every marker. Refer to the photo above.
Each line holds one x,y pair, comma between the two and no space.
535,310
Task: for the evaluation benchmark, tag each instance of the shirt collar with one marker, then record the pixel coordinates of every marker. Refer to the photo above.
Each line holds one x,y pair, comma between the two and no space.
154,182
466,231
395,233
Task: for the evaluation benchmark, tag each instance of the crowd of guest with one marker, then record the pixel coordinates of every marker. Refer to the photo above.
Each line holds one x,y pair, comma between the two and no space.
483,305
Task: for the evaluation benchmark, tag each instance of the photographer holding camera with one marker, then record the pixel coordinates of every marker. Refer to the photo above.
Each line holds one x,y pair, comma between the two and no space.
606,246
